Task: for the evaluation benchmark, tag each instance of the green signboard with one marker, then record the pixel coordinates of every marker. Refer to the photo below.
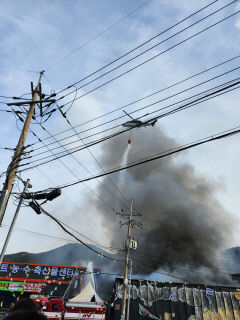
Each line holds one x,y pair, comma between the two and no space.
11,286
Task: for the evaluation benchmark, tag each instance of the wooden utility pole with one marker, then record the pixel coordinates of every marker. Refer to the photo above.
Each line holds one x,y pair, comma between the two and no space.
12,169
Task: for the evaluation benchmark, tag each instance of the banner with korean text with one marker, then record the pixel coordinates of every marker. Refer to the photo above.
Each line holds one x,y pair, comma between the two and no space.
34,287
11,286
34,271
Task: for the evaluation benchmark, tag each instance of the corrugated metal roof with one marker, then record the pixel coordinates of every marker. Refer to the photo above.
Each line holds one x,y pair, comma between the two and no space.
177,301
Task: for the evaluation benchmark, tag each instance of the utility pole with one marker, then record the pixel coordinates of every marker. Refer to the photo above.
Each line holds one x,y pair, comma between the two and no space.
12,169
129,289
130,244
26,184
127,249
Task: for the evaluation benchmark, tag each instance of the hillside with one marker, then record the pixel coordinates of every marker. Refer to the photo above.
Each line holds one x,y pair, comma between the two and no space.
69,254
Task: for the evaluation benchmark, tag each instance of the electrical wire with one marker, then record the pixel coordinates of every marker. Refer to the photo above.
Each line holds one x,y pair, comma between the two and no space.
16,98
177,266
40,234
144,62
163,273
88,217
18,69
98,163
86,169
72,102
170,275
145,256
142,108
98,35
148,96
113,274
144,43
68,240
7,111
147,265
191,145
74,174
71,234
100,245
177,109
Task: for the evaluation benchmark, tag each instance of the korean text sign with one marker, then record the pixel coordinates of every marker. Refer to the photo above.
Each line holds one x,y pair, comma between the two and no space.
42,272
11,286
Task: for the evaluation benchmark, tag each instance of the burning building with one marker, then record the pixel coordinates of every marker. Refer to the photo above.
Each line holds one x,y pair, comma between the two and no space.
184,224
178,301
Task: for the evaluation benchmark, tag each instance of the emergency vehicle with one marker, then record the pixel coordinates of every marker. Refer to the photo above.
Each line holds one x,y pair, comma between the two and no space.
57,309
77,308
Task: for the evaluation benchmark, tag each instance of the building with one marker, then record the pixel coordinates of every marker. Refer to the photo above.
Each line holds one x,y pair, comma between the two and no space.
178,301
22,279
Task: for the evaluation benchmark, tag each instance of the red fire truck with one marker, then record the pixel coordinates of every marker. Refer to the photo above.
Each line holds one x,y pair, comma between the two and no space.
57,309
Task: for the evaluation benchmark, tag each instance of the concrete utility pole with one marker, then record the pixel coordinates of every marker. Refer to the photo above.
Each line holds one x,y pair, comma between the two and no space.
129,289
130,244
12,169
26,184
125,283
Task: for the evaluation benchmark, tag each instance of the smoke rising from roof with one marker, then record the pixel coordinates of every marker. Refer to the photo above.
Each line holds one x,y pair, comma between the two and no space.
184,224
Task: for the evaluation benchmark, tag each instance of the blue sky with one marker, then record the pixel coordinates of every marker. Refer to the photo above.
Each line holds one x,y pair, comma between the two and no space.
35,35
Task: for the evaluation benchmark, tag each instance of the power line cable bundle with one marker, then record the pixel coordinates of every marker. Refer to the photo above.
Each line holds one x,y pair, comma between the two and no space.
148,60
142,108
232,85
85,168
222,135
139,46
38,209
139,100
99,34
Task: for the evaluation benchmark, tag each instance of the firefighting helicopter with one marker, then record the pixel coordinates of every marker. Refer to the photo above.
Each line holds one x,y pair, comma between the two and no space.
135,123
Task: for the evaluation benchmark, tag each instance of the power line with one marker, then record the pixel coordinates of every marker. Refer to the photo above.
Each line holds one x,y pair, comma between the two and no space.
199,100
74,174
88,217
211,138
98,34
17,98
178,267
18,69
62,239
71,234
147,267
97,162
100,245
139,109
148,60
139,46
84,167
163,273
40,234
138,253
120,132
2,110
151,265
145,97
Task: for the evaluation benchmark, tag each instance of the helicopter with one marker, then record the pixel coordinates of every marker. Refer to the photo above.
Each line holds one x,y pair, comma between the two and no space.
135,123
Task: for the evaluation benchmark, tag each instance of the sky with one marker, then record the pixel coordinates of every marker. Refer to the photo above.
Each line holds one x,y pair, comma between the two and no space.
70,40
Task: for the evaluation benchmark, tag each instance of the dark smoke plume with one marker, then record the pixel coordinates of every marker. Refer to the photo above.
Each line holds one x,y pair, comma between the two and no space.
183,223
